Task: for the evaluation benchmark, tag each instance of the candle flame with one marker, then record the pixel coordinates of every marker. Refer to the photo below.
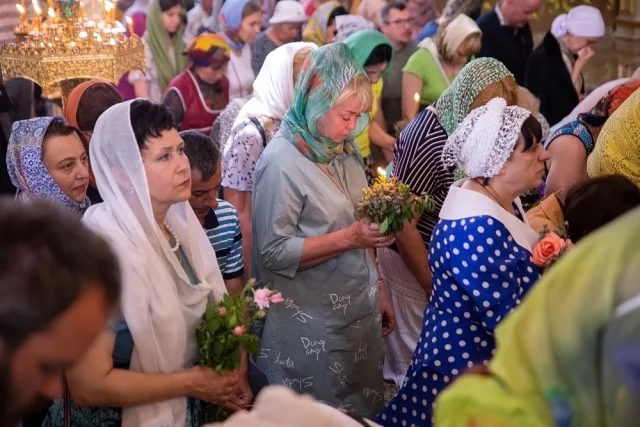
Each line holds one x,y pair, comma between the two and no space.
382,172
51,13
416,97
20,9
129,20
108,5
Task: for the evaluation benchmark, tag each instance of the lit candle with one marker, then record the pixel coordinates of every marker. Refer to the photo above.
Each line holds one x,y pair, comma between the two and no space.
23,13
382,172
130,25
37,13
416,105
93,9
51,13
115,7
82,15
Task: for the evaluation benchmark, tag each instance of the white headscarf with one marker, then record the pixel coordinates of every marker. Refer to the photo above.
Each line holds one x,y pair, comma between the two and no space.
160,305
484,141
273,87
581,21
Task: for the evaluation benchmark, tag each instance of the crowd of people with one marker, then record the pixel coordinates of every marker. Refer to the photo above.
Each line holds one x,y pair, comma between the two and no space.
242,151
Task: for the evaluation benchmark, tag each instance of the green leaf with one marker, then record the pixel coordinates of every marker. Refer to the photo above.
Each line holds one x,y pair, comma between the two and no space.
252,346
384,226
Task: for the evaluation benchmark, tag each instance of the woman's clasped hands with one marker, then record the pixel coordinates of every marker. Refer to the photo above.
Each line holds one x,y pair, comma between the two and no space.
362,235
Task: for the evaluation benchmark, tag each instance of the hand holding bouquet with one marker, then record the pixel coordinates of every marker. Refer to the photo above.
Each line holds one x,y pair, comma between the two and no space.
225,327
551,246
389,203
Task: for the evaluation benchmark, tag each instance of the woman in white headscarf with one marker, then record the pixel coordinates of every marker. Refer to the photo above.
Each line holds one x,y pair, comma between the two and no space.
257,122
480,253
554,70
143,362
432,68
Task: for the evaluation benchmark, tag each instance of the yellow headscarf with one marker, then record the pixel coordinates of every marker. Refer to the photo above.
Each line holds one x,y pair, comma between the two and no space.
617,150
316,29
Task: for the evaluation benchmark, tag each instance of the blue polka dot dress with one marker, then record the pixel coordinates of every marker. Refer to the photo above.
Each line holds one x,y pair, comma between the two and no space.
479,275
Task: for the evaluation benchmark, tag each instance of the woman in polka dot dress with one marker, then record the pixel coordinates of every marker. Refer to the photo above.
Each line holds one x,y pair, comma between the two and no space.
480,254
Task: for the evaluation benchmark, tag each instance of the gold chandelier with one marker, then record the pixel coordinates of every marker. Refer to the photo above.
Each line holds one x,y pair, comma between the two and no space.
68,47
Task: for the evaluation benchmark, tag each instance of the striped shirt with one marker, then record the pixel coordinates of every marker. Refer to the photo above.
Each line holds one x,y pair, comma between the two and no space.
417,162
222,226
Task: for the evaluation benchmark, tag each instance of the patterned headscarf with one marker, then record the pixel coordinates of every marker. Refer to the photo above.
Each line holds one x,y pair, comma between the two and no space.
316,29
209,49
325,74
24,164
610,103
484,141
454,103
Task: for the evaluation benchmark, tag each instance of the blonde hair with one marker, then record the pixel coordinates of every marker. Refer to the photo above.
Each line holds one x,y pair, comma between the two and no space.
505,88
527,100
469,46
298,60
360,88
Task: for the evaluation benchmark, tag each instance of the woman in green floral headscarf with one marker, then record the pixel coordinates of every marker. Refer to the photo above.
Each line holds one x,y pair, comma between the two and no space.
570,354
326,339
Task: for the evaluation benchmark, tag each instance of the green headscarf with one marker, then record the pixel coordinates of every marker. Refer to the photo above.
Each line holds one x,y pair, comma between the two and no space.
325,74
454,103
570,354
364,42
158,40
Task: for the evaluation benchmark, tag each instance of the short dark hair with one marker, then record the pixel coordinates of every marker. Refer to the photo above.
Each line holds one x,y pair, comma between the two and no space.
338,11
595,202
202,152
95,101
384,13
149,120
531,132
47,258
59,127
381,53
168,4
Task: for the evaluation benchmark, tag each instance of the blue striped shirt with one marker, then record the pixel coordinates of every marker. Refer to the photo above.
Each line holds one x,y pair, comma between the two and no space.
222,226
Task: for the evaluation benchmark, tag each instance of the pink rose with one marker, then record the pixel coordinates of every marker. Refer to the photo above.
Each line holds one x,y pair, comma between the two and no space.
276,298
548,247
222,311
261,297
238,330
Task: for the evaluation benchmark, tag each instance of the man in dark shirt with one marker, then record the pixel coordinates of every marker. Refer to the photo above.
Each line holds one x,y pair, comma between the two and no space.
506,34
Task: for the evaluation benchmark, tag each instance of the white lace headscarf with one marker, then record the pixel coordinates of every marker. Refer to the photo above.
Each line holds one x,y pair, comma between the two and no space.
161,307
485,139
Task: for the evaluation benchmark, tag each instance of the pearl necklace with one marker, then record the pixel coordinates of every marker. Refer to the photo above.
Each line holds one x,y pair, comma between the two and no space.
175,238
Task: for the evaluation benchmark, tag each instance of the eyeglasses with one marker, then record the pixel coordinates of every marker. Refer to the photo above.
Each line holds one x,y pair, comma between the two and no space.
402,22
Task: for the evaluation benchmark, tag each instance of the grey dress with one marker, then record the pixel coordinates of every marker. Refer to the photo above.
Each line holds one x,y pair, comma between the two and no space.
326,339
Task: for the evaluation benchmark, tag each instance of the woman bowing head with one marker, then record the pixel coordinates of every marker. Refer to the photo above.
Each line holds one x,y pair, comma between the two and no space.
327,339
480,252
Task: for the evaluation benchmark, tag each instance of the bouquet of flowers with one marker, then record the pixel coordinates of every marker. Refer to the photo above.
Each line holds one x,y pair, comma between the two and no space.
225,331
551,246
389,203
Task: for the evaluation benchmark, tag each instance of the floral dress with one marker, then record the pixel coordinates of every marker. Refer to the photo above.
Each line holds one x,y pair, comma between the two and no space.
481,266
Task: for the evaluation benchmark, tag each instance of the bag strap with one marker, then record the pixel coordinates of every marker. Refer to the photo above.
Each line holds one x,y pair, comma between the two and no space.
67,405
257,124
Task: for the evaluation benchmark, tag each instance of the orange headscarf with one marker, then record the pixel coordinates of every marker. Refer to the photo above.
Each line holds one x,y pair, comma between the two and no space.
71,112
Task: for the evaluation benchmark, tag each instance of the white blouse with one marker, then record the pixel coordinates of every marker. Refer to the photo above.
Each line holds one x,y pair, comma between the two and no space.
151,75
240,73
